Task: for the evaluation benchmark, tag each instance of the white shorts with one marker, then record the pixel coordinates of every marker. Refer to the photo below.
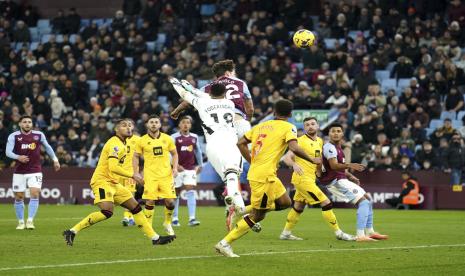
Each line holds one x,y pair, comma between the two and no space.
345,190
242,126
23,181
187,177
223,153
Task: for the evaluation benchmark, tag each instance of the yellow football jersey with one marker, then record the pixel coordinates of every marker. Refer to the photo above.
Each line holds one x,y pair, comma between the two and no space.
269,141
113,148
131,144
313,148
156,153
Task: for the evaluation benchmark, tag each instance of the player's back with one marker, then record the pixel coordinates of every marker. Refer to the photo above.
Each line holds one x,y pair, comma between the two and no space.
313,148
236,91
269,142
113,148
328,174
217,116
29,145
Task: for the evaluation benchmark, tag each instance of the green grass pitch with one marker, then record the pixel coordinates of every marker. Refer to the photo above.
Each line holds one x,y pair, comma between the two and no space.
421,242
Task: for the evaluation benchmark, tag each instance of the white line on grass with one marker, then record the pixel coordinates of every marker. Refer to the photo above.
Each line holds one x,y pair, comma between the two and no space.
215,256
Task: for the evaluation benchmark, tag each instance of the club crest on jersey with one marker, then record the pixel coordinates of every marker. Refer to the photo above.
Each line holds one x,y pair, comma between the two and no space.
36,137
115,150
31,146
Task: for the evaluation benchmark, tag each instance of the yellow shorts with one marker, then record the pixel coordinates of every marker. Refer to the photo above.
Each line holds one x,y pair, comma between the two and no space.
155,189
129,183
307,191
265,193
105,191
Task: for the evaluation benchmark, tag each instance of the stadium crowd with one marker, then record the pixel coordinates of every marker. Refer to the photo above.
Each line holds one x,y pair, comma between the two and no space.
81,75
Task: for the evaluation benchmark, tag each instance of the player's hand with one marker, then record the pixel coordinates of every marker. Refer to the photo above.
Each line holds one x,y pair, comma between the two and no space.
138,178
357,167
297,169
175,114
23,159
198,170
187,85
180,168
175,172
316,160
355,180
56,165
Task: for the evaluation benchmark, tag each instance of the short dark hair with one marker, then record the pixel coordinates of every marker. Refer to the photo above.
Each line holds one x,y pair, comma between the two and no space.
119,121
220,68
25,117
310,118
333,125
217,89
153,117
283,108
185,117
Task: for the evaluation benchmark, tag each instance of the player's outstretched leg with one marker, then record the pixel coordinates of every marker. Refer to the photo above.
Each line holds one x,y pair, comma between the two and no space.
369,230
363,210
93,218
242,227
329,216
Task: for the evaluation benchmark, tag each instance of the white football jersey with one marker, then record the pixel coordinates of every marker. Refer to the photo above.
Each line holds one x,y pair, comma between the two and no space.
217,115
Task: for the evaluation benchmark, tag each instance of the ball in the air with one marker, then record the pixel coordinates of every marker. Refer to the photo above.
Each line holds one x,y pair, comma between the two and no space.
303,38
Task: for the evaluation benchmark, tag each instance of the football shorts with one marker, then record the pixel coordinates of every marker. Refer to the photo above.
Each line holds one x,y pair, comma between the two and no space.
129,183
23,181
186,177
264,194
158,188
345,190
307,191
105,191
223,154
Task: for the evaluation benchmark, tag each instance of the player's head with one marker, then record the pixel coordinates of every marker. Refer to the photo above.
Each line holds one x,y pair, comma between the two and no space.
311,125
224,68
283,109
123,128
335,132
217,90
185,124
132,125
25,123
153,124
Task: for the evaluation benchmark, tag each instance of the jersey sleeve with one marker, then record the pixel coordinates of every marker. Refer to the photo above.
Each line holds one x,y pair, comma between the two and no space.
171,145
248,135
10,145
291,134
329,151
113,149
47,146
247,93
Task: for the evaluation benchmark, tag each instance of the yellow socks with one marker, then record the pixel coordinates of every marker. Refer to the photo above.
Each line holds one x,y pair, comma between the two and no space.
292,218
146,227
148,211
168,216
330,218
127,214
242,228
248,209
91,219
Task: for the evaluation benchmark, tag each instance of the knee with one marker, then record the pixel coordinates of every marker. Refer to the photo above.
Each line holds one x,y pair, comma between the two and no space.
169,204
19,196
107,213
136,209
282,204
327,207
257,215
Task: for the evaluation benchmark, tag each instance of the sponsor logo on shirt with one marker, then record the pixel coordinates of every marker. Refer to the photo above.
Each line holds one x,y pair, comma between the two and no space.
31,146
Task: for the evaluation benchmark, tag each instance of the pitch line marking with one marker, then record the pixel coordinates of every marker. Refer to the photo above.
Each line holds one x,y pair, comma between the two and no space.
217,256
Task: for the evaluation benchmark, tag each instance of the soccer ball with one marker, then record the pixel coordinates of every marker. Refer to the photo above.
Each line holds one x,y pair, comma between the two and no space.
303,38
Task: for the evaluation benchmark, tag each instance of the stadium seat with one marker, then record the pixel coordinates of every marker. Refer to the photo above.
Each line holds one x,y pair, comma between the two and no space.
390,66
85,22
207,9
93,85
429,131
460,115
435,123
300,66
165,106
43,23
129,62
35,36
72,38
162,99
44,30
366,34
457,124
330,43
45,38
402,83
160,43
388,84
354,34
315,20
99,21
139,23
382,75
108,21
33,46
150,46
448,115
59,38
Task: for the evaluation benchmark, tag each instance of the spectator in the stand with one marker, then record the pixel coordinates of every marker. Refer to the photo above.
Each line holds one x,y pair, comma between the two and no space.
405,163
410,194
455,159
132,7
418,132
21,32
403,69
419,115
427,155
73,21
59,23
454,100
359,149
447,129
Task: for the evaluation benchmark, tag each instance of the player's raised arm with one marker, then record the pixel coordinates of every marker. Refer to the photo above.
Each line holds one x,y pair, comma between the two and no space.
243,145
180,108
49,151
